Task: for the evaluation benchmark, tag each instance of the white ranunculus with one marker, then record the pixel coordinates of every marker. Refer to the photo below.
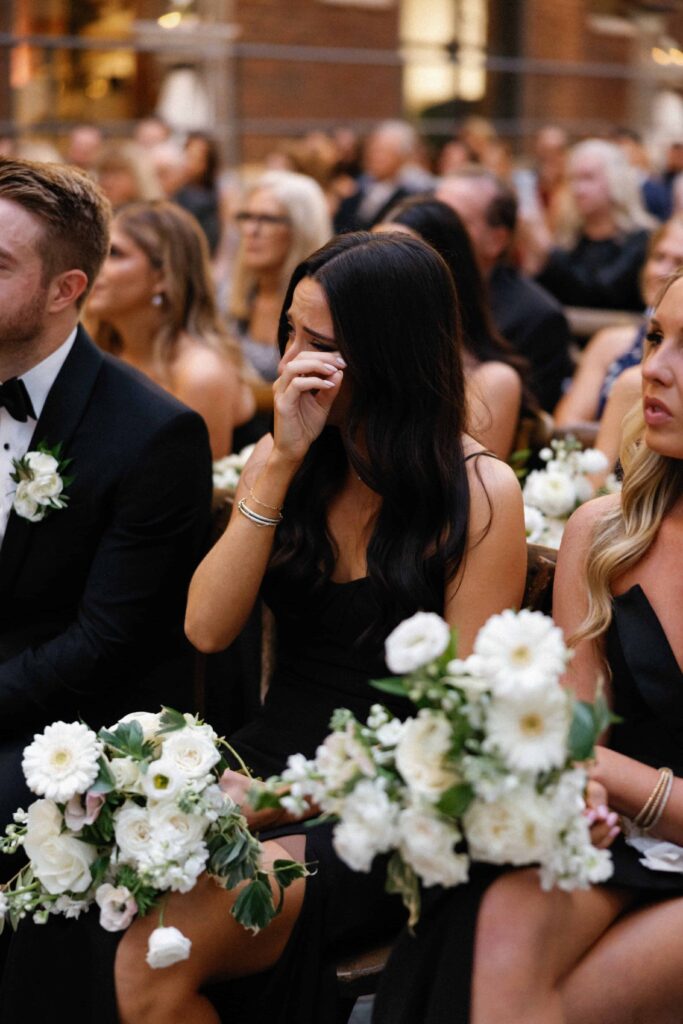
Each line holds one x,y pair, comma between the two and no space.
163,780
167,946
133,832
521,651
62,761
530,729
191,751
127,775
552,491
416,641
117,907
367,827
149,722
175,832
592,460
41,463
26,506
421,753
517,829
426,844
44,487
534,524
59,861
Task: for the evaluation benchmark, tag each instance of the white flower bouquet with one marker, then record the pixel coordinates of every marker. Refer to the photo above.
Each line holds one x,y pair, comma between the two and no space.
551,494
127,815
487,770
227,471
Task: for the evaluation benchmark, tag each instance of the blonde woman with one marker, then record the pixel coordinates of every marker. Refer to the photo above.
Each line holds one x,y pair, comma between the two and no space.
154,306
283,218
597,260
612,954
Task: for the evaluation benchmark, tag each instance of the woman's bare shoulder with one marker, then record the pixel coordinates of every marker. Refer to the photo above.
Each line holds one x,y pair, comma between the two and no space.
195,362
578,532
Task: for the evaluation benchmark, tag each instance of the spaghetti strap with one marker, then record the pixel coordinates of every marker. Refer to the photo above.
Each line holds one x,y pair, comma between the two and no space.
473,455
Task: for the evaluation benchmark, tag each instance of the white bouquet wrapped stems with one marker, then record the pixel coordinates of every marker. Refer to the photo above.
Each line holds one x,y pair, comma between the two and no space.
551,494
127,815
488,769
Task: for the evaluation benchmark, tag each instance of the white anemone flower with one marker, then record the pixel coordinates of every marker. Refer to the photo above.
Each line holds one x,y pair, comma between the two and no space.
62,761
521,651
529,729
416,641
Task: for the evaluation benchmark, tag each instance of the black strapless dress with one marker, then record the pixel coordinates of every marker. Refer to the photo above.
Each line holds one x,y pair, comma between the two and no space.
320,667
428,977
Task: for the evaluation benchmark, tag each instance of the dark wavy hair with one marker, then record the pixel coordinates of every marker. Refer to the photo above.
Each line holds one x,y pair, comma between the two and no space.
394,311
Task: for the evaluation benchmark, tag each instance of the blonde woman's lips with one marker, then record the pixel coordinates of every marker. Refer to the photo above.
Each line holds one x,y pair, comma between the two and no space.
656,412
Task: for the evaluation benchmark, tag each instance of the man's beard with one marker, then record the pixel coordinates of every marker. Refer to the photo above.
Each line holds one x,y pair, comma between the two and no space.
20,327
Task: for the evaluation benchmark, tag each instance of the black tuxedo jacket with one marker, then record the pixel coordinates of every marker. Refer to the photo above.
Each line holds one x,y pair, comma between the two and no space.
92,597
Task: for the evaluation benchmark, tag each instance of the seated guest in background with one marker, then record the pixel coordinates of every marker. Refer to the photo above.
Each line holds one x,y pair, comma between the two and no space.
199,194
493,370
526,315
91,594
283,218
509,953
598,261
388,176
125,173
623,396
614,349
154,306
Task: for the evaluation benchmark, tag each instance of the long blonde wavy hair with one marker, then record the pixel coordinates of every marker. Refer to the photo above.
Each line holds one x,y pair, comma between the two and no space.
653,483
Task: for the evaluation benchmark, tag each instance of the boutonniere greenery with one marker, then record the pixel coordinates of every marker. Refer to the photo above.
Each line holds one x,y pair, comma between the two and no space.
41,481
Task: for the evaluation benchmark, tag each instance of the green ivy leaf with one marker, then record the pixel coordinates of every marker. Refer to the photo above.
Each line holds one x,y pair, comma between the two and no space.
171,721
287,871
254,906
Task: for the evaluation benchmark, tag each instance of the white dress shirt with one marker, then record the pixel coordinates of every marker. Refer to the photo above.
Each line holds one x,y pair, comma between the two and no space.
15,437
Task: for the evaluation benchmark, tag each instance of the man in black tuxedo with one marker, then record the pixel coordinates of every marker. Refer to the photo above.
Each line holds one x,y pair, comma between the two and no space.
92,595
526,314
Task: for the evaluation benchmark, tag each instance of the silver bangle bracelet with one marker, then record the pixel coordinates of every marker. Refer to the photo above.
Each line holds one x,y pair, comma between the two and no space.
256,517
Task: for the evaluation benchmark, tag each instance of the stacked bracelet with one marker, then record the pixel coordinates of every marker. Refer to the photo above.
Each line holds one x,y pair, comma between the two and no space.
653,808
256,517
272,508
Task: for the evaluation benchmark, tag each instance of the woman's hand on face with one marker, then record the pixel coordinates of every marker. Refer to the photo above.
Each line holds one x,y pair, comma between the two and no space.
303,395
603,822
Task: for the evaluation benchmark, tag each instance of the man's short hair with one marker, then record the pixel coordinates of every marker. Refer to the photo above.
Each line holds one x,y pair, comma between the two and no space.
73,212
502,209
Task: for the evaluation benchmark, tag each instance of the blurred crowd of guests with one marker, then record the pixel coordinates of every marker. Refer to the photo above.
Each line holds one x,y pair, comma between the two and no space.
201,254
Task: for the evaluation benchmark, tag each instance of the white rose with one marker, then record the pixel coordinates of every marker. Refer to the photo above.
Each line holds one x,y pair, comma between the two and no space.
367,827
127,775
41,464
426,844
420,754
517,829
133,832
60,862
592,460
44,487
167,946
416,641
191,752
174,832
552,491
149,722
26,506
117,907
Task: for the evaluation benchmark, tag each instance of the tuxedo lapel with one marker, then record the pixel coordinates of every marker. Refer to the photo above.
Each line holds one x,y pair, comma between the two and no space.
62,412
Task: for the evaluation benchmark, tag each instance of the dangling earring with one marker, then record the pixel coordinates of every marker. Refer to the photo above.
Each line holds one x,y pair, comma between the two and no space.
157,299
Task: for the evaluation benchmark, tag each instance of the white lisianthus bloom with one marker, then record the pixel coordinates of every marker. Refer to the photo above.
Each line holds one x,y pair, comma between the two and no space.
133,833
127,775
163,780
41,463
62,761
117,907
421,752
517,829
149,722
416,641
59,861
167,946
190,751
534,524
426,845
592,460
174,832
25,505
529,729
521,651
368,825
550,490
43,488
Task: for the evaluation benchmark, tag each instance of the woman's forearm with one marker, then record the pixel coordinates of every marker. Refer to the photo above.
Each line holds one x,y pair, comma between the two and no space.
629,783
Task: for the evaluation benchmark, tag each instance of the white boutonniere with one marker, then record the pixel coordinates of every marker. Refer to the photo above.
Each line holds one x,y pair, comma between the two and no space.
40,481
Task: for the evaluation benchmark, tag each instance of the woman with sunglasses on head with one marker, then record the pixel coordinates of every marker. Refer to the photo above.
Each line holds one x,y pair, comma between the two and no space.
503,951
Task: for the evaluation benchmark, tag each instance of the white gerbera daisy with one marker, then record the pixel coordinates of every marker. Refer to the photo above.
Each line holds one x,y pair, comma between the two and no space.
416,641
521,651
62,761
529,729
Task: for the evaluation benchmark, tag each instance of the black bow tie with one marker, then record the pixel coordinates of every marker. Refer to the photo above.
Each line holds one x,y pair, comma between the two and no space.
16,399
